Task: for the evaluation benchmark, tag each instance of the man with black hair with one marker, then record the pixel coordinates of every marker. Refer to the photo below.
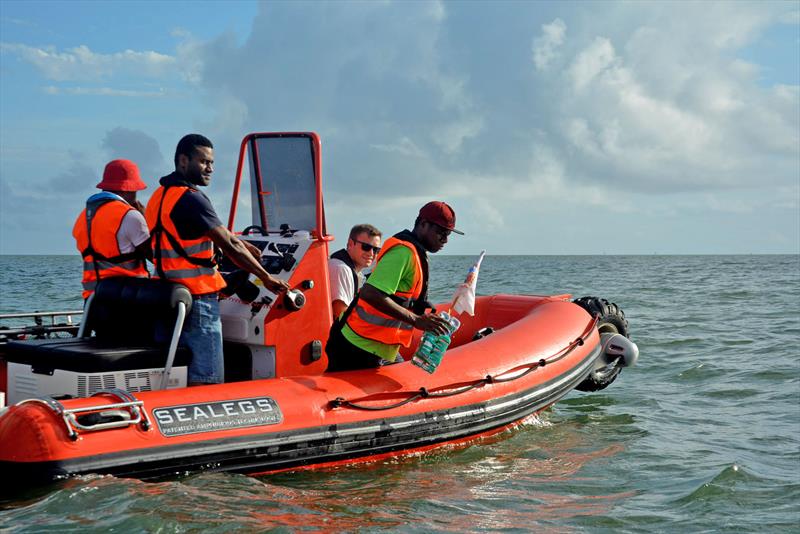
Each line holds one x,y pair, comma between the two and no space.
346,265
394,300
185,230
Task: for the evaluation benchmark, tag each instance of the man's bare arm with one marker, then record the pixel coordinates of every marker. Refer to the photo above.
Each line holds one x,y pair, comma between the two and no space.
338,307
384,303
145,250
239,254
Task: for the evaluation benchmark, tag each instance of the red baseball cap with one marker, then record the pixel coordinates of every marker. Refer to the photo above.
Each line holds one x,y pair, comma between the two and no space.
440,213
121,175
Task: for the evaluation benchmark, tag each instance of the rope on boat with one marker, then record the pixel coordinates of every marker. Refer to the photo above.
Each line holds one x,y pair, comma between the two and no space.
445,391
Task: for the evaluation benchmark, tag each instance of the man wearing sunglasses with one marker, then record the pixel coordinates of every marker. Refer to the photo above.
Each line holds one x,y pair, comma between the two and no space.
346,265
394,300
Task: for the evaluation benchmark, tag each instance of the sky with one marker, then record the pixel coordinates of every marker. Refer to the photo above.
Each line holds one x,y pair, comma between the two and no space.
550,127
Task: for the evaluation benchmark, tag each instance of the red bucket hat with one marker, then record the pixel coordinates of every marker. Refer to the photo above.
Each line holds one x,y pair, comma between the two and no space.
440,213
121,175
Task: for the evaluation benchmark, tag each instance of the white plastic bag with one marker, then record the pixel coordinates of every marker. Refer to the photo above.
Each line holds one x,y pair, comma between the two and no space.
464,297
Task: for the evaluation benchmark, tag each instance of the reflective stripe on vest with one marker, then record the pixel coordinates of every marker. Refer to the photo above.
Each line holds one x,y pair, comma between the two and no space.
102,241
103,264
382,321
188,273
170,262
371,323
195,249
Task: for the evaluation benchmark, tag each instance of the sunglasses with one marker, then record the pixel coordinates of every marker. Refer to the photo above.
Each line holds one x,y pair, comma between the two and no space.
366,247
440,230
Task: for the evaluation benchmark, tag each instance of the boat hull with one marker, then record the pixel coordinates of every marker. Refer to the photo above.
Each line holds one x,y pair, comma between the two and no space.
542,349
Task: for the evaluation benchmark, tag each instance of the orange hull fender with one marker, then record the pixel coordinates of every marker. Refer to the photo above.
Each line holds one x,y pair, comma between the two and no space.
546,329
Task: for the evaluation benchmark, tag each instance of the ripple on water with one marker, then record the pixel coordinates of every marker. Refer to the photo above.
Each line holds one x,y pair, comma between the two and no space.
700,372
773,375
720,486
738,491
733,393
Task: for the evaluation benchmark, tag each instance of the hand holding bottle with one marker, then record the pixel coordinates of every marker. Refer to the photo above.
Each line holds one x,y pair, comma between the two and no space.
430,322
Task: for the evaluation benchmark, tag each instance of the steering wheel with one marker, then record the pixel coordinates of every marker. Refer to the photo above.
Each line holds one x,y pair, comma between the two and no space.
251,228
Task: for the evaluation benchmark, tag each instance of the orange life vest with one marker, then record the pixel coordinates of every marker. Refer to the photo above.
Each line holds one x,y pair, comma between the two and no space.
187,261
369,322
95,233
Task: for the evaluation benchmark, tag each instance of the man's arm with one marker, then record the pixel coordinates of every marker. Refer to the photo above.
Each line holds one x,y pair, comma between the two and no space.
134,232
341,286
239,254
338,307
382,301
145,250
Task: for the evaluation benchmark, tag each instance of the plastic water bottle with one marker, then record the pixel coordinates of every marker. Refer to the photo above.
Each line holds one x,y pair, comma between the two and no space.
421,357
439,348
432,346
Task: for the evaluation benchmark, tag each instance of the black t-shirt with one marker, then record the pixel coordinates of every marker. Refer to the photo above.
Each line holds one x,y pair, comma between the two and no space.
193,214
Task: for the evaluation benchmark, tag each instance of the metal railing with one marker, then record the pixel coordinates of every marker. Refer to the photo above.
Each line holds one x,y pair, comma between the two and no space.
129,412
46,324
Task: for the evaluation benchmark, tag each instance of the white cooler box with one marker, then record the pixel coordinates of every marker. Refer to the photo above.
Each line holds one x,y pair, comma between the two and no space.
23,383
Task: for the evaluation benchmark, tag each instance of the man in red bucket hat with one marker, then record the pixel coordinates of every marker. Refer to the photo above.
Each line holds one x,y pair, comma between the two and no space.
393,301
111,233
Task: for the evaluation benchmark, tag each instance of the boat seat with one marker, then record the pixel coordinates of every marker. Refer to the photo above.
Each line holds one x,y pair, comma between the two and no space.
90,355
124,315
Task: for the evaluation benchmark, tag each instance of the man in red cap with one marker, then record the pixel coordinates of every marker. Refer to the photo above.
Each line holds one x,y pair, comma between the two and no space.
111,233
393,301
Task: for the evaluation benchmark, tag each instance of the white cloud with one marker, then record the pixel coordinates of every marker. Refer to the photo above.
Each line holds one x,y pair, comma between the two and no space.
231,116
545,45
679,117
450,137
626,111
621,123
189,58
489,216
104,91
592,61
404,147
81,63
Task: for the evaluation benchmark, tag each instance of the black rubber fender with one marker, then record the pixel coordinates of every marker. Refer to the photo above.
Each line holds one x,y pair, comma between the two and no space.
610,319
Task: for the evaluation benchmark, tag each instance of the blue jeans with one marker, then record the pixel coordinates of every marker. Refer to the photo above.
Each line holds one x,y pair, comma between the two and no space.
202,334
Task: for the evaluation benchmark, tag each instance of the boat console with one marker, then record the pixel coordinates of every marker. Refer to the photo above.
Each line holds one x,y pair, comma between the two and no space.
266,335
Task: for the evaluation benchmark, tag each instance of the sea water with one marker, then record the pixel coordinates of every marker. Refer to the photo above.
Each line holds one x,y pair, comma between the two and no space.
703,435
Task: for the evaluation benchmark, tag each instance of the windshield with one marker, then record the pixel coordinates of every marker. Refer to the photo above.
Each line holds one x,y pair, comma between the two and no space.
283,188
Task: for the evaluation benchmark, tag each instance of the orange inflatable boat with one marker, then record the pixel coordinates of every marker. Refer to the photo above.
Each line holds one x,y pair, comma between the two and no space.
111,401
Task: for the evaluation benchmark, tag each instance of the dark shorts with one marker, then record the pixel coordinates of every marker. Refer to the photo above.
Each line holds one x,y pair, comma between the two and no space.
344,356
